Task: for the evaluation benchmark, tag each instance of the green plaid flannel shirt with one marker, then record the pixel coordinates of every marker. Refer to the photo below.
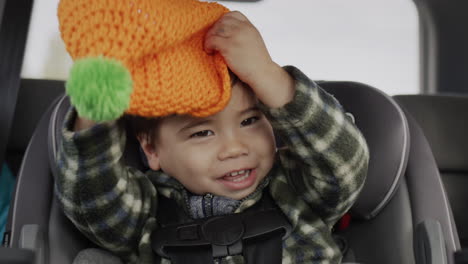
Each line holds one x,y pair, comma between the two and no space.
319,176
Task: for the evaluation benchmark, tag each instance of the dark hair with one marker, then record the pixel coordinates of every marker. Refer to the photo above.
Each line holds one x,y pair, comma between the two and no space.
142,127
145,127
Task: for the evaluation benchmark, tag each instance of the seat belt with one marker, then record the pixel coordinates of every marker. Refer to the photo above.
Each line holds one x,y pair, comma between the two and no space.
256,234
15,16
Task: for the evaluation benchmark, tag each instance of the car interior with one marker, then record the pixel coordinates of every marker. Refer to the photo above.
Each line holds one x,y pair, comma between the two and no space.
411,210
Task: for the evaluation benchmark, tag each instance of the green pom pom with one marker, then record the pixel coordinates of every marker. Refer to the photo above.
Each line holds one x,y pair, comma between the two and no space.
99,88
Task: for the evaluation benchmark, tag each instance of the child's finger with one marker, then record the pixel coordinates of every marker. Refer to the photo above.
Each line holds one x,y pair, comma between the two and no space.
225,27
238,15
217,36
215,43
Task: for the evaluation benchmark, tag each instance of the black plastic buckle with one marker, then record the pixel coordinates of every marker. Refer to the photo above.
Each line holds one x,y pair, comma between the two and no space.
223,233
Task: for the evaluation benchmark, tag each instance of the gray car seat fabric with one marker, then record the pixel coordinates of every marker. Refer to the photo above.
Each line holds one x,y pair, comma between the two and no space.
385,214
428,197
35,204
382,214
386,131
443,122
403,184
28,111
420,198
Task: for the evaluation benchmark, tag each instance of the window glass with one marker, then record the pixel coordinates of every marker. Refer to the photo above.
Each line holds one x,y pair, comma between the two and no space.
369,41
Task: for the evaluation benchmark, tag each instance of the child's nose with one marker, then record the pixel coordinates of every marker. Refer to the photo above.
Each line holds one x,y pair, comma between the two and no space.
233,148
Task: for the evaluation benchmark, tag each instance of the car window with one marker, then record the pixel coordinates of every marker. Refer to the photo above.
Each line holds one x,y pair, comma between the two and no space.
369,41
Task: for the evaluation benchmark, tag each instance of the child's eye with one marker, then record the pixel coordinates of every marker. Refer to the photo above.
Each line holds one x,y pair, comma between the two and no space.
249,121
203,133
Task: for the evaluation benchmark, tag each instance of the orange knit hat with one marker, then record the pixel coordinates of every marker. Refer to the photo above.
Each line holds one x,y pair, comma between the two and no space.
160,43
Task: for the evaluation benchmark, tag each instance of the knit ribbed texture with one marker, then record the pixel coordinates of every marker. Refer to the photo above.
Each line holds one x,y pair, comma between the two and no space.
161,44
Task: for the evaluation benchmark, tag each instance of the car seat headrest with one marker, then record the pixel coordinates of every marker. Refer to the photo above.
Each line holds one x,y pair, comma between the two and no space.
440,117
385,128
380,119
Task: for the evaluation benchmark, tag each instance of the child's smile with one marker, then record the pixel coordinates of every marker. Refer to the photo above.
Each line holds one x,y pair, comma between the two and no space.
239,180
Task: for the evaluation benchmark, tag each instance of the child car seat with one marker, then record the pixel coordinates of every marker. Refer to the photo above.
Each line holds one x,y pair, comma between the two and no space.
392,204
411,218
443,121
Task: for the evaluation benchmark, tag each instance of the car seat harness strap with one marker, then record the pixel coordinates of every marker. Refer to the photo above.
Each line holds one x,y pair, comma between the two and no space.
255,234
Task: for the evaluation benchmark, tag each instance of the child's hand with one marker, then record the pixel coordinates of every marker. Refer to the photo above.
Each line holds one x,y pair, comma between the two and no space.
245,53
241,45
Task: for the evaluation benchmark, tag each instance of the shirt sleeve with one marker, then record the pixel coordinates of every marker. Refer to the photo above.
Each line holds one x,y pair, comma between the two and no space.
107,201
324,155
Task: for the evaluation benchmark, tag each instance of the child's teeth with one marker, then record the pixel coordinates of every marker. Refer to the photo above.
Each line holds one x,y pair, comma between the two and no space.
232,174
246,175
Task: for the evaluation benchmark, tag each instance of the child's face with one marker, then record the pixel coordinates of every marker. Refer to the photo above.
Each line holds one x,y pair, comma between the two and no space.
204,154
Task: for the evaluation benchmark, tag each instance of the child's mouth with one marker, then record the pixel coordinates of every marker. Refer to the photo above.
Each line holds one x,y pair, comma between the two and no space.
238,180
237,176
